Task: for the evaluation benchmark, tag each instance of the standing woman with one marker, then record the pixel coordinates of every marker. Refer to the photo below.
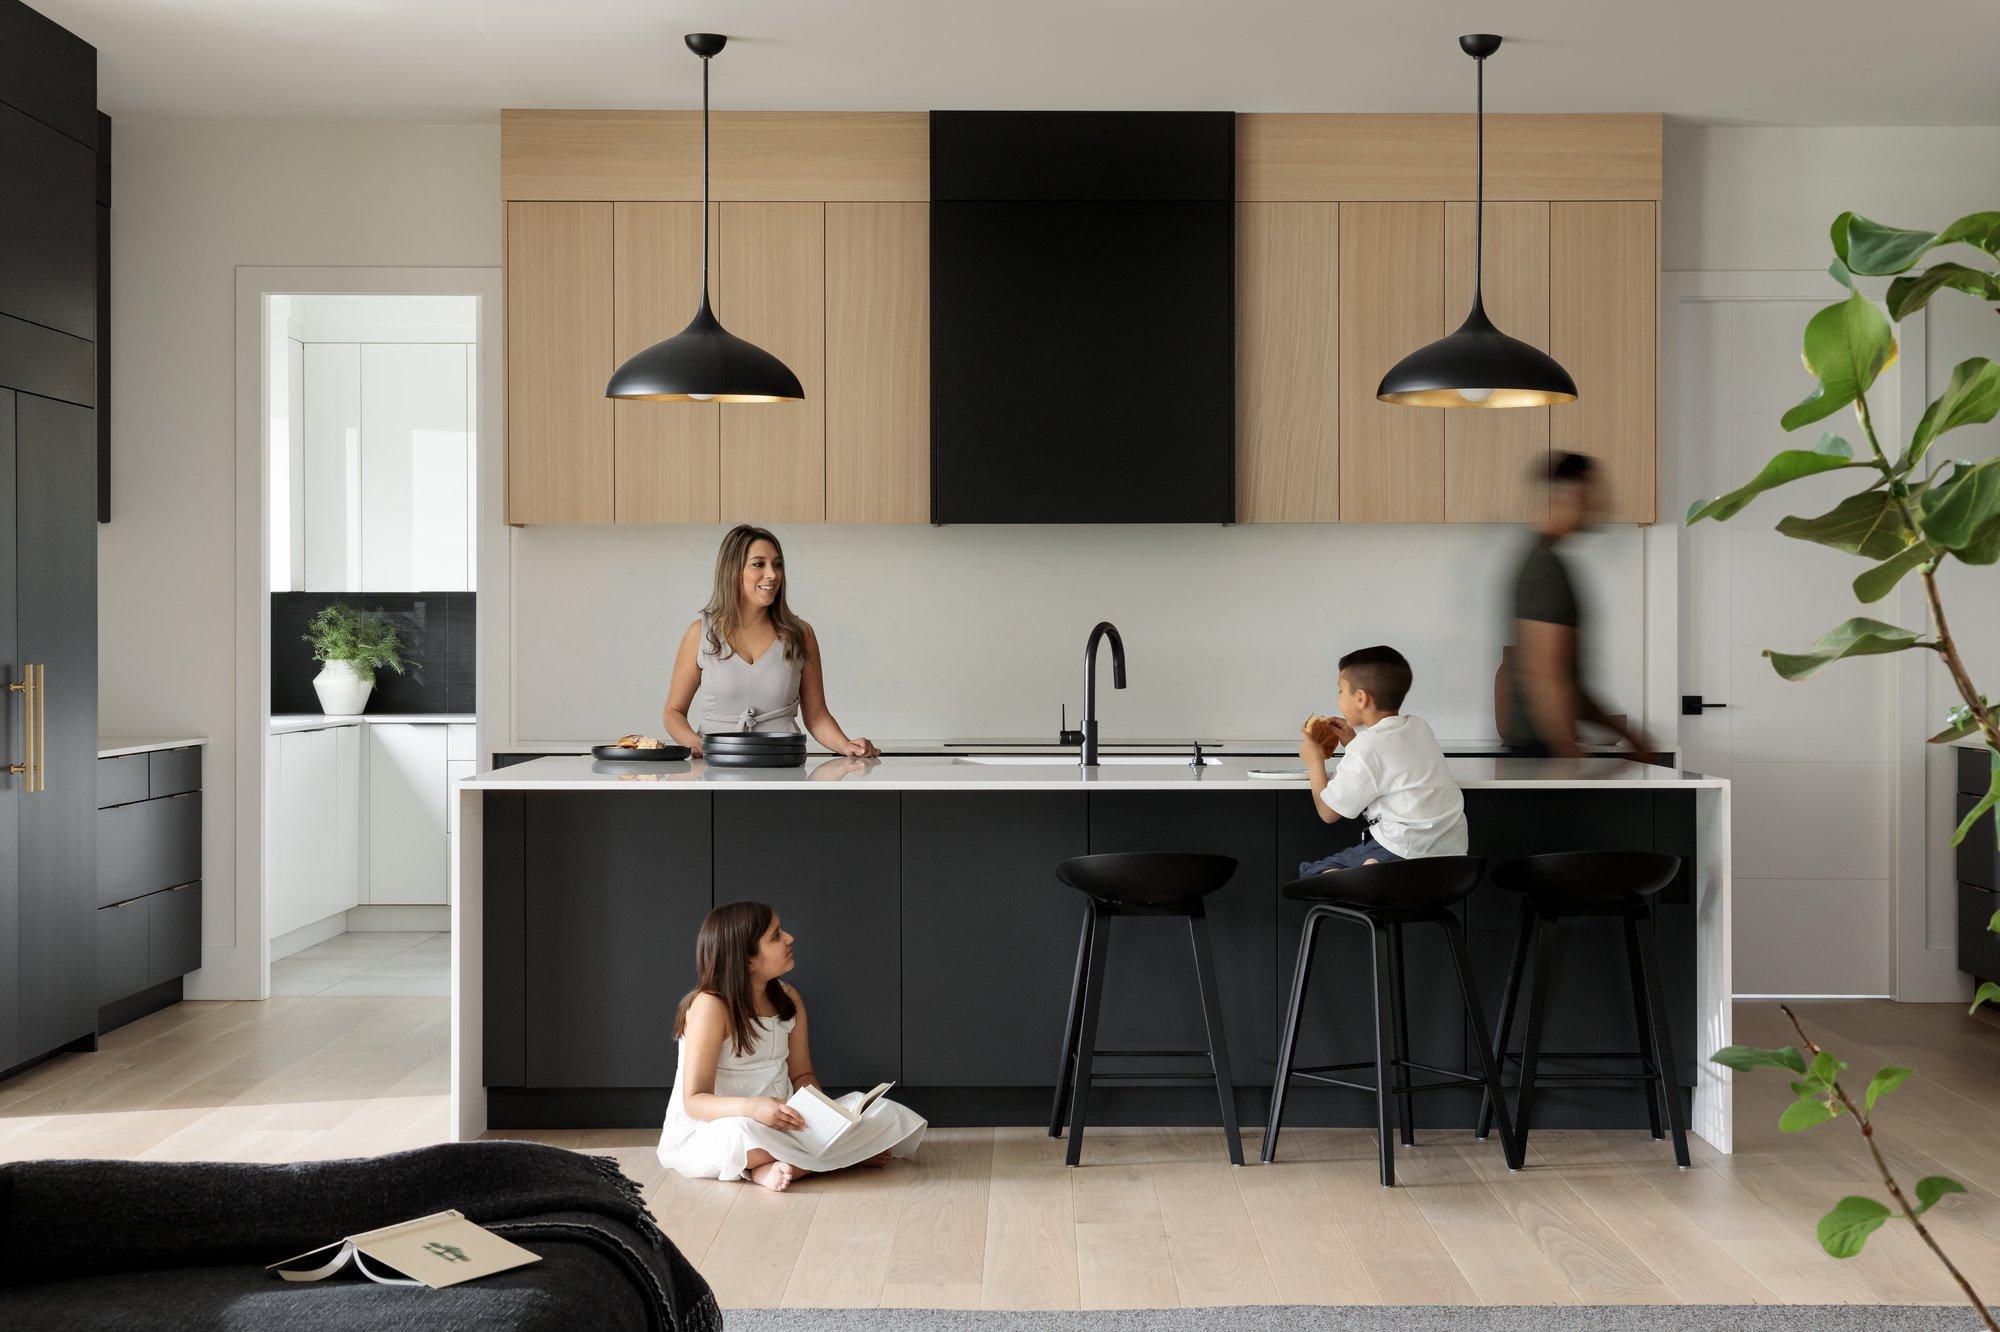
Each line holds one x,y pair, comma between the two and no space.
749,664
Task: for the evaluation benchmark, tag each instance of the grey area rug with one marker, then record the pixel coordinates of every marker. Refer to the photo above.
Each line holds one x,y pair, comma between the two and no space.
1387,1318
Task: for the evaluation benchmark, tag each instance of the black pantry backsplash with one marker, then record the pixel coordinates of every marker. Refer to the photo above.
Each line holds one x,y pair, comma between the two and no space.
437,633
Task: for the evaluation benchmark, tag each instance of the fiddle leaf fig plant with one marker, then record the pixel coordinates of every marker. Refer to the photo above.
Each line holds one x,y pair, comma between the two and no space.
1914,515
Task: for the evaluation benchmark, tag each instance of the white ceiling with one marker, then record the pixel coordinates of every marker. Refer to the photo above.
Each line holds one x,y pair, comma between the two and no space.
1801,62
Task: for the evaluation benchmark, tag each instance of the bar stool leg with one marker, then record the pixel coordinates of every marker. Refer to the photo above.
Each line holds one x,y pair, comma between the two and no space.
1301,974
1531,1045
1663,1038
1093,999
1218,1042
1384,1045
1503,1033
1065,1067
1642,1017
1489,1064
1399,1014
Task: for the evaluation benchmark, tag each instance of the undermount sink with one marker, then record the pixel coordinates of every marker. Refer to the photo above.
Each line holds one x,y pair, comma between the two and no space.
1107,760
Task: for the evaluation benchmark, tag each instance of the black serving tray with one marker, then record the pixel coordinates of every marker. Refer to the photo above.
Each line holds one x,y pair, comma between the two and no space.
621,754
741,760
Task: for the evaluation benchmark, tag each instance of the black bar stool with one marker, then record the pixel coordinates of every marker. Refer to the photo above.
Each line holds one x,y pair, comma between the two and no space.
1138,884
1385,898
1564,886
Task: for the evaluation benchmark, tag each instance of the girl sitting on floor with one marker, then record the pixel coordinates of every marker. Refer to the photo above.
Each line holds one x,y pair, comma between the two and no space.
743,1052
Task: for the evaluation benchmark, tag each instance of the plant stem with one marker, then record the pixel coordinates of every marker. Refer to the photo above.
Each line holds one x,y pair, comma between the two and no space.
1889,1181
1945,646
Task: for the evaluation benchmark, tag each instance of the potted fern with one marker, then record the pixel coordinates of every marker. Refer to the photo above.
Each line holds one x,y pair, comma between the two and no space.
353,645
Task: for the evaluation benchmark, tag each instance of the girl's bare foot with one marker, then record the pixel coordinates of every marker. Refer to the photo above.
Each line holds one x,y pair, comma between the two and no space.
877,1161
777,1176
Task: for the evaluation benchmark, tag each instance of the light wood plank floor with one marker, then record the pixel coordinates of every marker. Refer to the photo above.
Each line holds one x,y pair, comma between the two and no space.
991,1217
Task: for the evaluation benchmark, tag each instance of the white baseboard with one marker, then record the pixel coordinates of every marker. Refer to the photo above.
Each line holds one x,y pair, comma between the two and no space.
377,916
305,936
1767,998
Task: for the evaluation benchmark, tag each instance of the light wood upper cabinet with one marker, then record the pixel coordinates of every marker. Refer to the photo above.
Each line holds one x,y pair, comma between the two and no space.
772,292
1493,458
1391,303
1287,359
559,461
878,392
667,457
1604,328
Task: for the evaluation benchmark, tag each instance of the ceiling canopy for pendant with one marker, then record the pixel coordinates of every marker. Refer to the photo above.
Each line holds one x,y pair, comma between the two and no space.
1477,365
705,362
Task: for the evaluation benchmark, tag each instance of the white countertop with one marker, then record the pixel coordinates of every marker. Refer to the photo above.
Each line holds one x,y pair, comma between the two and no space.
571,773
308,721
1027,745
118,746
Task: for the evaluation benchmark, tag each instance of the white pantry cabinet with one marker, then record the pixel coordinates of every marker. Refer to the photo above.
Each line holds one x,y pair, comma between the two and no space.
412,767
313,783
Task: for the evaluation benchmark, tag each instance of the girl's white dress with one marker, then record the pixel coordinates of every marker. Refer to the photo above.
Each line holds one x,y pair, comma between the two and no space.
717,1148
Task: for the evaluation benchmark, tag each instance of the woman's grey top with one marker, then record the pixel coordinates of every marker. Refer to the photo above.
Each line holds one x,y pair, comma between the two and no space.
739,695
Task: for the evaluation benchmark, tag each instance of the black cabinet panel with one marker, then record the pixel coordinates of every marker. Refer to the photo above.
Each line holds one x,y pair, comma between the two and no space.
121,951
148,846
1975,770
1978,947
173,933
40,360
1150,999
56,589
48,230
12,746
48,71
504,955
830,864
1083,155
121,780
173,771
1978,860
989,934
1082,362
616,891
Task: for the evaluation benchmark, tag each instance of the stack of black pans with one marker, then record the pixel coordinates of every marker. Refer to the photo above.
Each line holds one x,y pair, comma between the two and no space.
754,749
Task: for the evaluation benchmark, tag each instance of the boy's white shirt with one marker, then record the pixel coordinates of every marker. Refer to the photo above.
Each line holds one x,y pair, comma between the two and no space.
1395,773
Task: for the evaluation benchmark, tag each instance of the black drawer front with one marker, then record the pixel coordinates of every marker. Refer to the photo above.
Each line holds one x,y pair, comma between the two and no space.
173,933
1978,947
120,781
1975,771
145,847
1976,857
121,952
174,771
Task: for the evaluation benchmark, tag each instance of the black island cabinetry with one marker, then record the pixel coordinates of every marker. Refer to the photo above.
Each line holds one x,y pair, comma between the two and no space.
936,946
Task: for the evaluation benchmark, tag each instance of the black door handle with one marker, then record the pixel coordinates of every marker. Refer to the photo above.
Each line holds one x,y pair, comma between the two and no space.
1692,706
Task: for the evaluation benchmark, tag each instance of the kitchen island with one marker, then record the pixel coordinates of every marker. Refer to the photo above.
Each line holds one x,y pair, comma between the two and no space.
936,945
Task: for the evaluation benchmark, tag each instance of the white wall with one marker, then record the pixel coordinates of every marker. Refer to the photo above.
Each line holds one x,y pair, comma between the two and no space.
1762,199
979,631
192,201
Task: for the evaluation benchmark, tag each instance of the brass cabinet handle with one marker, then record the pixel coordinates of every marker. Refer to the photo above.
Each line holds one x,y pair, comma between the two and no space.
29,686
41,727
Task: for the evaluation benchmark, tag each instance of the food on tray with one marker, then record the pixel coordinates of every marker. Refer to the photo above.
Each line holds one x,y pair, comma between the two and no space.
637,741
648,742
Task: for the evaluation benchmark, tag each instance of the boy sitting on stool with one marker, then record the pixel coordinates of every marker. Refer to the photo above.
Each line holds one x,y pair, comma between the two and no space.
1393,770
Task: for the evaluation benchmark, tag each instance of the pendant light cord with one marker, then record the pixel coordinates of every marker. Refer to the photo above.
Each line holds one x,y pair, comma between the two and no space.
1479,205
704,182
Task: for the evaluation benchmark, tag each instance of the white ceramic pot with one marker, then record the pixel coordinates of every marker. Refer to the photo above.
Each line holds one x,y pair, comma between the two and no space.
342,690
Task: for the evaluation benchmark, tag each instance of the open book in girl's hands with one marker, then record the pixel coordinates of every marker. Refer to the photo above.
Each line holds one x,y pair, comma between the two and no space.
827,1120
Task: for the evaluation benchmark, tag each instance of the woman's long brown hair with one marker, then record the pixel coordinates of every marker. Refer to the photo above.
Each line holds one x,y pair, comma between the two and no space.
722,951
723,615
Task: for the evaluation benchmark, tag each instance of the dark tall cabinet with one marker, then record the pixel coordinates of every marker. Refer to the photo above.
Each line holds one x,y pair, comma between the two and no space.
49,396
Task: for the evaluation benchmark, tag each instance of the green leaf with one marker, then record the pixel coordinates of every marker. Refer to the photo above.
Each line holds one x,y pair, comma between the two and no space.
1986,802
1878,582
1958,723
1846,346
1869,524
1972,398
1824,1069
1913,291
1839,273
1870,247
1885,1081
1984,546
1743,1058
1847,1227
1802,1115
1933,1187
1830,455
1957,510
1858,637
1980,229
1987,992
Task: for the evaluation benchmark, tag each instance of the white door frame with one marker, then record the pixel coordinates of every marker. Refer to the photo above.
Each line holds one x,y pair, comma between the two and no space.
1923,969
241,969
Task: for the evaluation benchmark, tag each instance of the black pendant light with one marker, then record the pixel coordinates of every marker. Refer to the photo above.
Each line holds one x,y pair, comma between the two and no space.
705,362
1477,365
